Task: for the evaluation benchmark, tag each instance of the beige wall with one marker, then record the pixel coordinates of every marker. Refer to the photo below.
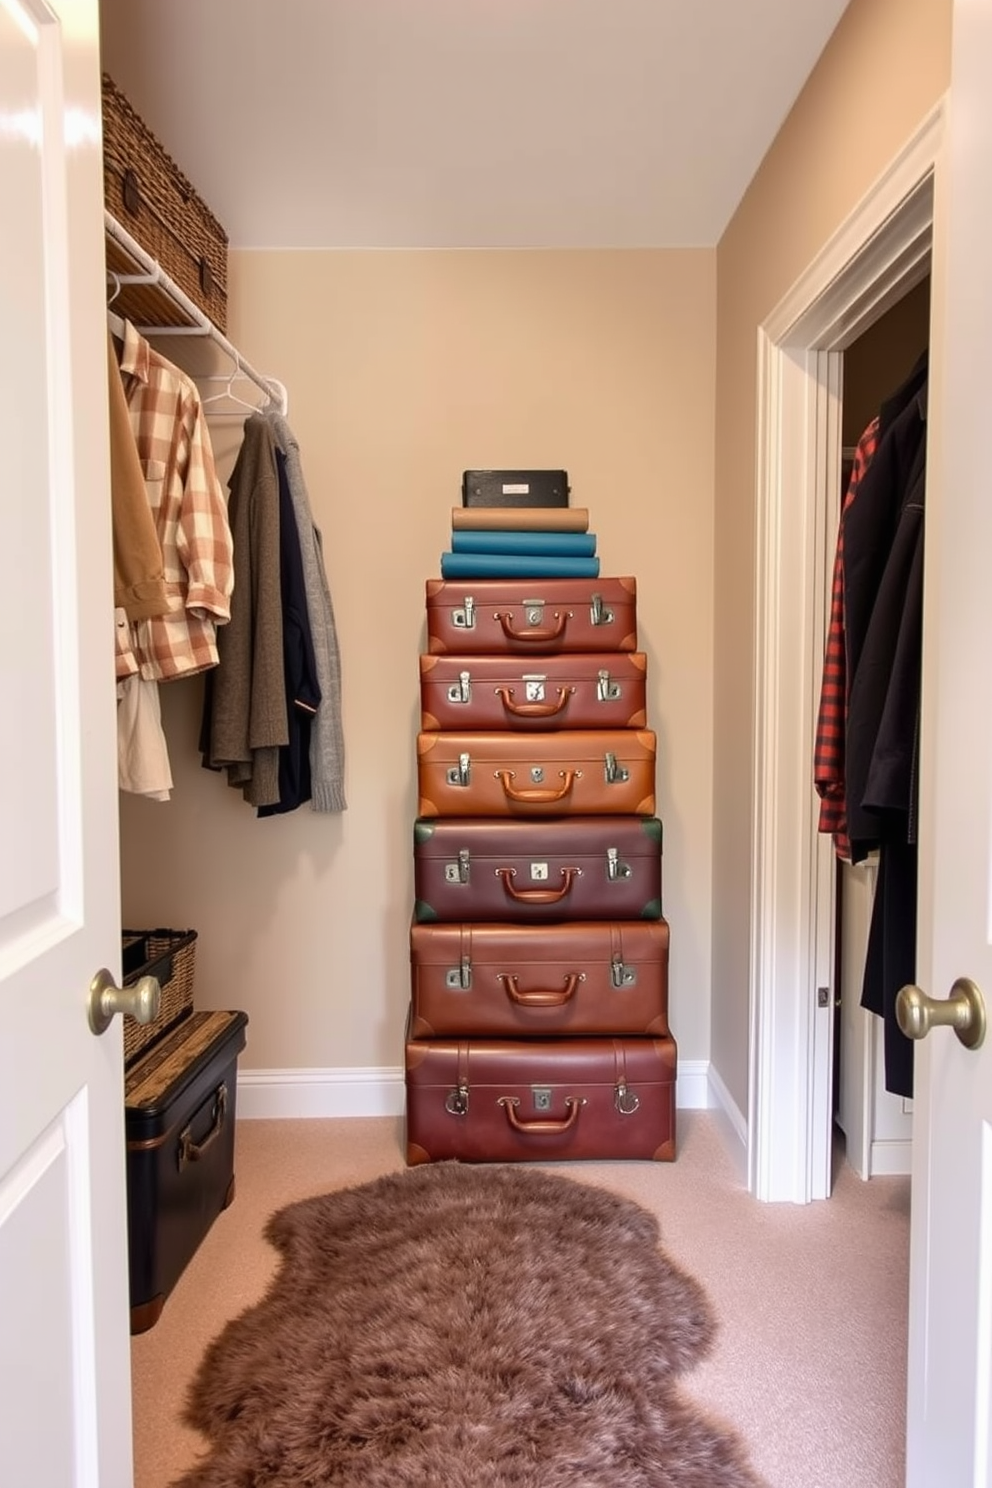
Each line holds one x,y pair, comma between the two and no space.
403,369
885,67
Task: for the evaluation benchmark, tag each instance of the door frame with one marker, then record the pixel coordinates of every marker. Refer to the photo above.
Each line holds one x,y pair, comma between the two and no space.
879,253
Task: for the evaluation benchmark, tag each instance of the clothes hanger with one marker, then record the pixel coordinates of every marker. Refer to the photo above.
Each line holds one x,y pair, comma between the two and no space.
228,394
114,321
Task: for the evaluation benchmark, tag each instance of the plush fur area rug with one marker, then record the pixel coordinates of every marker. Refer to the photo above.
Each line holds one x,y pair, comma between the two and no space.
464,1327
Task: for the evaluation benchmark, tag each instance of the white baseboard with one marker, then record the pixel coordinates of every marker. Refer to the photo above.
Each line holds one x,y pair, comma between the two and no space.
891,1159
280,1094
725,1102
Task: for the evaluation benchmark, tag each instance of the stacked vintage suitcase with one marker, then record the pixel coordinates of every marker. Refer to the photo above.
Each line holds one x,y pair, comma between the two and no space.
538,1024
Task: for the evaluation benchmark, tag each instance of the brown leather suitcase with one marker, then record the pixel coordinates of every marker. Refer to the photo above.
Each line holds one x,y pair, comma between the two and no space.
592,771
537,871
492,617
540,1100
574,691
521,981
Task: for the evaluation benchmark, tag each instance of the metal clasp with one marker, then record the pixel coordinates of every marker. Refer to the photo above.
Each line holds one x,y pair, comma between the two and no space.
458,872
533,687
607,691
615,773
622,975
599,614
464,619
456,1101
534,611
461,773
614,867
461,691
625,1100
459,976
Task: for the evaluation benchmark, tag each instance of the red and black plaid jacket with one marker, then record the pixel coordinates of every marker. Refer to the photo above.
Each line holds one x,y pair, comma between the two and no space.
828,754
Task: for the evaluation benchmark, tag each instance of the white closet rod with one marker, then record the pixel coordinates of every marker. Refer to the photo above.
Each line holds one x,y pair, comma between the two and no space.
201,325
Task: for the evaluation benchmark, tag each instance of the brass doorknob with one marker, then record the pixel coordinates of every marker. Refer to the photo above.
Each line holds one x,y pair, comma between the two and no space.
142,1001
964,1011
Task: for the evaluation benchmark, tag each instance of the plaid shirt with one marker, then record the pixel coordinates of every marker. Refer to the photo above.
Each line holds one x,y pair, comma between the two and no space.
190,519
828,756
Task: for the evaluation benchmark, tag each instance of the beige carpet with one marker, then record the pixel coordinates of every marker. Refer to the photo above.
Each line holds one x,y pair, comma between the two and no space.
811,1357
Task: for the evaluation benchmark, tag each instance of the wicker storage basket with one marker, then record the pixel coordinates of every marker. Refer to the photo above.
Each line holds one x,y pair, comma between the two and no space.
149,195
169,956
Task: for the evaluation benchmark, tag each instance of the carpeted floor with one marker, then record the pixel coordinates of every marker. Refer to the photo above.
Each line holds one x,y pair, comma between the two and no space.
809,1362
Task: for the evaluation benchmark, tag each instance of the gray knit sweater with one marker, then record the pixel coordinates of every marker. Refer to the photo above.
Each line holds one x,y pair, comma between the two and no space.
326,733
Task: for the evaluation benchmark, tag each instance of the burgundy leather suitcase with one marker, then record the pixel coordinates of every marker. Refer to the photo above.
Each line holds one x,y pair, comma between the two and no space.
538,871
180,1102
540,1100
492,617
521,981
574,691
590,771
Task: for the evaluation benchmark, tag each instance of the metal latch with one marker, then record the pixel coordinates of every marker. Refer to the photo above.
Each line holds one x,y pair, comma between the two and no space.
621,974
459,976
625,1100
607,691
600,615
461,773
615,774
534,611
464,619
614,868
461,691
456,1101
457,872
542,1097
533,687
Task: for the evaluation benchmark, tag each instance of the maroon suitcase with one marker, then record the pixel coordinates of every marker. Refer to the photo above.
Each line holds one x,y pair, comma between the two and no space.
562,868
517,981
580,691
540,1100
590,772
491,617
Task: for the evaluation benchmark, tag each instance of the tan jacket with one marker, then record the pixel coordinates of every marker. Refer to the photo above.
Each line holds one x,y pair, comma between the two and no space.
139,576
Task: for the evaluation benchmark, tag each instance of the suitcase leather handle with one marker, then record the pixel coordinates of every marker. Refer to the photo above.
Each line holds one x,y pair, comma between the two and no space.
541,1128
537,896
536,998
535,797
530,635
533,710
190,1151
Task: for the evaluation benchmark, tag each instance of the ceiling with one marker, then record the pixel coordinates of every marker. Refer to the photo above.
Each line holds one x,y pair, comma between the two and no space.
467,123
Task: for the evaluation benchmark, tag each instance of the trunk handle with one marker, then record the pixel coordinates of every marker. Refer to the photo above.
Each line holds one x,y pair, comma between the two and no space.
541,1128
538,797
533,710
538,998
537,896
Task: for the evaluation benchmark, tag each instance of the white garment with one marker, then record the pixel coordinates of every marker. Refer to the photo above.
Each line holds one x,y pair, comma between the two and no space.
142,753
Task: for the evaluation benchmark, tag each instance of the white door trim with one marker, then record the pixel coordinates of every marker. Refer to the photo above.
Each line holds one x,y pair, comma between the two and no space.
878,254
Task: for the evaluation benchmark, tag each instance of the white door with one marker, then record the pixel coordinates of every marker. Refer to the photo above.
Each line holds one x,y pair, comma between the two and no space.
64,1362
950,1385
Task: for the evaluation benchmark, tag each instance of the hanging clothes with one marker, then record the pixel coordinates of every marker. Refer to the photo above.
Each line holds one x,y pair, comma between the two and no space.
865,768
245,719
189,510
326,732
139,574
299,662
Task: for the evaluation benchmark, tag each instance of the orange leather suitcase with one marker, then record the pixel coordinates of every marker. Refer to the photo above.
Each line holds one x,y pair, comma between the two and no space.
537,871
574,691
492,617
607,772
540,1100
524,981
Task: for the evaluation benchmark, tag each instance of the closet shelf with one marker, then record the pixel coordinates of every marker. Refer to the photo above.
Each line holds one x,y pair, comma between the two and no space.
144,292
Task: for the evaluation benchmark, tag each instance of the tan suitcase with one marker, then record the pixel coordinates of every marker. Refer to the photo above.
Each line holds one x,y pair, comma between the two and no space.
592,772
